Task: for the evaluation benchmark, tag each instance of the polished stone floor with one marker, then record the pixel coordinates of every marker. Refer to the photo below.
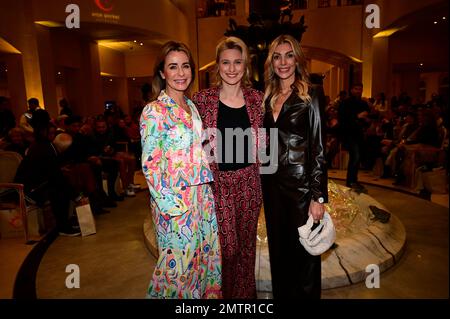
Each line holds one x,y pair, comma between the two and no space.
115,263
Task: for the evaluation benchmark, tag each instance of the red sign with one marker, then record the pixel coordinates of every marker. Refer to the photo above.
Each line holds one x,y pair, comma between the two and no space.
105,5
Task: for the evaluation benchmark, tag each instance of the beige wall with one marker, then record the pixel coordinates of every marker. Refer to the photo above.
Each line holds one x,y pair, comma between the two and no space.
112,61
18,30
140,65
336,28
432,82
392,10
415,47
210,31
140,14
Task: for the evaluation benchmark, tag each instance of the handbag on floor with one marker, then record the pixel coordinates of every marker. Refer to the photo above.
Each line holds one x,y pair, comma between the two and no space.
85,217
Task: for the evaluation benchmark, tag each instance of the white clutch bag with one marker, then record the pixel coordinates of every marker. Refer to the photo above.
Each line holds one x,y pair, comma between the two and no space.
319,240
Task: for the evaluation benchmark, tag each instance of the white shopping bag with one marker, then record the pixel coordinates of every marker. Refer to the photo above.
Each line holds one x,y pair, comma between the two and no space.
85,217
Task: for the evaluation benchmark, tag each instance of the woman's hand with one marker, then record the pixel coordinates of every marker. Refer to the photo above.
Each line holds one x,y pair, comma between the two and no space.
316,210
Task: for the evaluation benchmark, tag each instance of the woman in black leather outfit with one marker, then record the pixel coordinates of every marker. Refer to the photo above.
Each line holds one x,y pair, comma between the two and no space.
299,186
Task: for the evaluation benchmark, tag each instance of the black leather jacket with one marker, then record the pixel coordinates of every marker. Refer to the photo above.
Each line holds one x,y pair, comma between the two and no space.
300,148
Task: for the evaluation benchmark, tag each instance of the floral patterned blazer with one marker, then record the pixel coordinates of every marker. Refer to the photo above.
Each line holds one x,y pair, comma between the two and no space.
207,102
172,153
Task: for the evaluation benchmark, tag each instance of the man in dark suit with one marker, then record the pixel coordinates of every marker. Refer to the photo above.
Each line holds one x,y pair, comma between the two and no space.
353,117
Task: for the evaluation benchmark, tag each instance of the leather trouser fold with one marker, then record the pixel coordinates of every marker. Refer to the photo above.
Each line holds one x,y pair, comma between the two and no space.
295,273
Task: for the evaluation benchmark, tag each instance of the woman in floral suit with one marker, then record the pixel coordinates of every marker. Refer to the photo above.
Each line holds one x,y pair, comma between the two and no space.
178,176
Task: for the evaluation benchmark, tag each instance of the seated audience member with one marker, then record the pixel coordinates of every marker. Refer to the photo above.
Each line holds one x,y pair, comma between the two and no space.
15,141
380,103
40,172
87,167
389,145
60,123
426,133
80,176
107,151
132,131
65,108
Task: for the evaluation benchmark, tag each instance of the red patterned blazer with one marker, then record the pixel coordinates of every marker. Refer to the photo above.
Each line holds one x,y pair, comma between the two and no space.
207,102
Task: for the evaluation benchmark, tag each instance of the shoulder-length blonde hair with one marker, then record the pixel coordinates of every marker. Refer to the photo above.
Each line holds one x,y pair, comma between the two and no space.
272,81
158,83
232,43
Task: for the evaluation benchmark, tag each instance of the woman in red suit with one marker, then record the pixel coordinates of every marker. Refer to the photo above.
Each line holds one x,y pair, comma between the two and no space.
233,107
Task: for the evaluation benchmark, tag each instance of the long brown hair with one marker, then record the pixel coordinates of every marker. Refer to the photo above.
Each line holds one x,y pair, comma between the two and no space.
232,43
158,83
301,83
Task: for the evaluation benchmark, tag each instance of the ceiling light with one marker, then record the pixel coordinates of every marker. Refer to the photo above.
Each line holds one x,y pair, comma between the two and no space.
59,73
421,64
134,79
135,41
110,80
443,18
388,32
106,74
6,70
50,24
435,22
141,43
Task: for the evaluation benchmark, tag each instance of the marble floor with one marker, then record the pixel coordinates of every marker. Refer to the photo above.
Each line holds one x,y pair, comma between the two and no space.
115,263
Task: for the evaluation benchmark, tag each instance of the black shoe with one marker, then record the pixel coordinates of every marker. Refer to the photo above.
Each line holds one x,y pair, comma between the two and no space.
425,194
116,197
108,202
358,188
69,232
74,223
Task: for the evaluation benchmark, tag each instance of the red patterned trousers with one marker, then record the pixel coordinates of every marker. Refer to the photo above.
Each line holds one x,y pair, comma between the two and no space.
238,199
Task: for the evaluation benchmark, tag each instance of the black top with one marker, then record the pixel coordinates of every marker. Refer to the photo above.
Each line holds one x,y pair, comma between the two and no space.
233,118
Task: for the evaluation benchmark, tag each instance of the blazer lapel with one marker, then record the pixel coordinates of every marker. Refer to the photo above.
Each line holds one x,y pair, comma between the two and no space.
284,108
249,105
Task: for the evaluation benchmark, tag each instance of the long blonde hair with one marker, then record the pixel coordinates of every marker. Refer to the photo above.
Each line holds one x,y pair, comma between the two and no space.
158,83
301,83
232,43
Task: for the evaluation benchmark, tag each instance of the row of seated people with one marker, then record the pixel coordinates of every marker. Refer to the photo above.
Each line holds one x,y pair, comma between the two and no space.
388,133
59,166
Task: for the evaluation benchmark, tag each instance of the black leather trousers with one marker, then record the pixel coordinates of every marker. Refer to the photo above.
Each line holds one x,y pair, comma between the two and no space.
295,273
